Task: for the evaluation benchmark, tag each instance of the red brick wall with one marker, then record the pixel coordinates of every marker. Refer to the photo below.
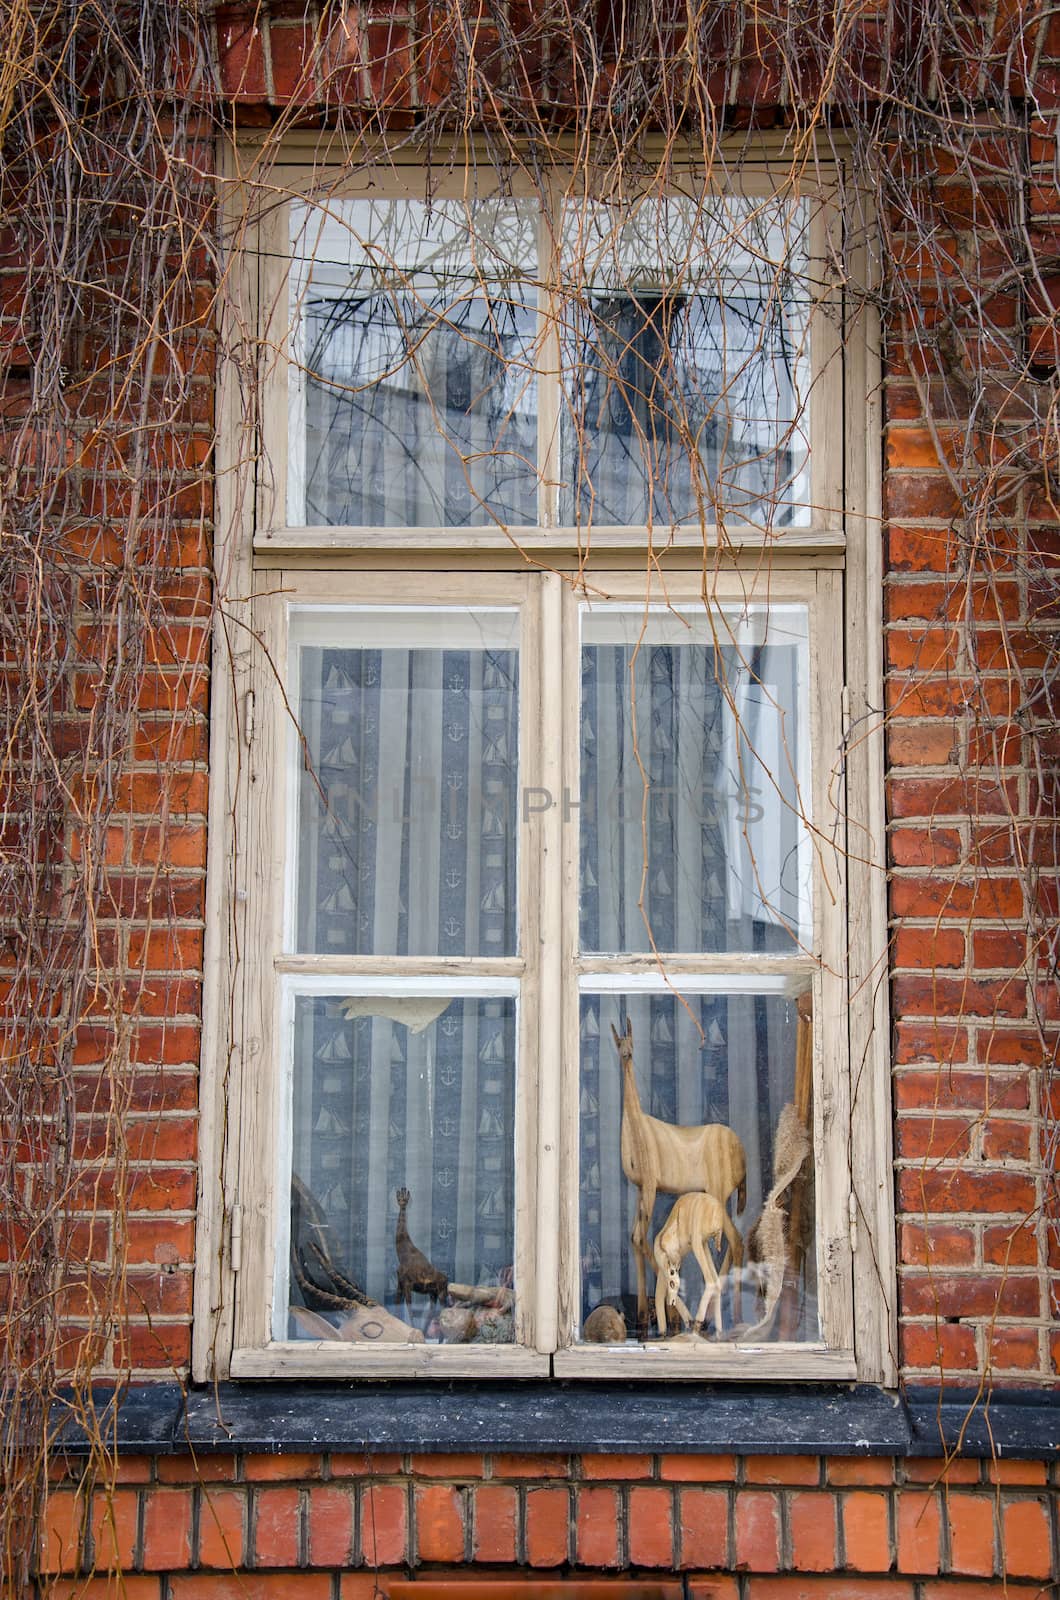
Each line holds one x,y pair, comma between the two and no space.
290,1524
969,1097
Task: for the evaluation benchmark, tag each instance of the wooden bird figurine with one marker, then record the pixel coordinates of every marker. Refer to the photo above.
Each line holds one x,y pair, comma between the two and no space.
415,1273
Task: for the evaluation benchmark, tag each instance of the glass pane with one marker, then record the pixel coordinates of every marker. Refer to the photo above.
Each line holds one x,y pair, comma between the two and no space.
726,1076
414,397
407,781
402,1182
695,780
685,355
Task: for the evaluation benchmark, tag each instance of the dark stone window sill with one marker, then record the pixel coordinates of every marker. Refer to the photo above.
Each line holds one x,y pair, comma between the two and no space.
569,1418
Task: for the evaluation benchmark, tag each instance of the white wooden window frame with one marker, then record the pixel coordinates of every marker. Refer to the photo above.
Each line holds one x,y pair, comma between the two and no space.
833,566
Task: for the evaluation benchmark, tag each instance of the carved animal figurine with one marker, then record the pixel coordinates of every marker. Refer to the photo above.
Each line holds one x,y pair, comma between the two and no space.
768,1242
664,1158
695,1222
604,1325
319,1275
415,1273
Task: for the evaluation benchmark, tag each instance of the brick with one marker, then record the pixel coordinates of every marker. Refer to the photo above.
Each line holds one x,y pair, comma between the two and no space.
116,1586
547,1527
981,1192
930,1469
918,1527
714,1587
866,1532
514,1466
114,1527
446,1466
1027,1543
849,1587
384,1524
277,1527
367,1465
495,1524
782,1469
698,1469
938,1345
651,1527
292,1468
167,1530
439,1523
196,1469
596,1528
60,1531
937,1244
250,1586
971,1527
330,1533
616,1466
222,1527
757,1531
1025,1474
812,1530
703,1527
859,1471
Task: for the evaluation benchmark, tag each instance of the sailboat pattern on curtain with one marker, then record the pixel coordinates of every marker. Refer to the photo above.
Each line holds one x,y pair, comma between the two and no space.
408,847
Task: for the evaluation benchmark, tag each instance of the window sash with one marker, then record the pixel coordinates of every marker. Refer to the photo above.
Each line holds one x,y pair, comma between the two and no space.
823,424
546,1119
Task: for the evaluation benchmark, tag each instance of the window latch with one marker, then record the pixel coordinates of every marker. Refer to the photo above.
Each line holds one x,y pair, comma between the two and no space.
248,718
852,1216
235,1238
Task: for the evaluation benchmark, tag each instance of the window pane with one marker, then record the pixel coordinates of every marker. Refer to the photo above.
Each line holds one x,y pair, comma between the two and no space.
738,1060
410,1098
414,395
407,781
695,780
685,349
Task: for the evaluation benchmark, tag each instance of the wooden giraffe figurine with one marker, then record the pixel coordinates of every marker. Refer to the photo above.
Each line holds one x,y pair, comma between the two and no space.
664,1158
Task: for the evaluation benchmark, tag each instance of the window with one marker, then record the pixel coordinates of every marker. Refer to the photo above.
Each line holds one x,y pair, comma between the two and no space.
543,981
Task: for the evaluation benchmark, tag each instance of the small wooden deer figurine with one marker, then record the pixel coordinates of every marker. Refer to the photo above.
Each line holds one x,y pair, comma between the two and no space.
664,1158
695,1222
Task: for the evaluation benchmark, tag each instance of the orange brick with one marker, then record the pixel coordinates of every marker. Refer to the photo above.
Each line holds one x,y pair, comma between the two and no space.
849,1587
330,1525
651,1528
116,1586
114,1519
439,1523
454,1466
1025,1474
367,1465
222,1527
167,1530
596,1528
1027,1546
512,1466
294,1468
250,1586
859,1471
384,1523
971,1523
60,1531
277,1527
495,1522
757,1532
612,1467
812,1524
698,1469
196,1469
866,1532
918,1532
547,1527
782,1469
929,1469
703,1527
